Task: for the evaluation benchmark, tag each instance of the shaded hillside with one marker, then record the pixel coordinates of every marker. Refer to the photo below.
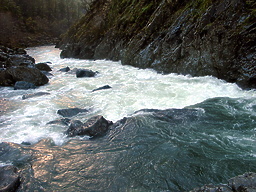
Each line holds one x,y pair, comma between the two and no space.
196,37
36,22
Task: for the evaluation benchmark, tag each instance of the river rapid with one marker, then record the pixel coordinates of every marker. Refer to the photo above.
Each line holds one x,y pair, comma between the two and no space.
210,138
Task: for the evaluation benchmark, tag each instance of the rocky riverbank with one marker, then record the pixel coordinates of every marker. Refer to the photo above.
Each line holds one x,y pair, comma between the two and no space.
17,69
188,37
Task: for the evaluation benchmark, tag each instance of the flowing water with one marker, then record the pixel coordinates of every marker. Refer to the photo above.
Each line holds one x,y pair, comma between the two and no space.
213,142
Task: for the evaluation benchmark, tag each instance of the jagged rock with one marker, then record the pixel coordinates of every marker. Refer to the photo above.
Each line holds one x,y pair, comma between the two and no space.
10,76
213,188
243,183
85,73
38,94
43,66
66,69
101,88
95,126
9,179
71,112
24,85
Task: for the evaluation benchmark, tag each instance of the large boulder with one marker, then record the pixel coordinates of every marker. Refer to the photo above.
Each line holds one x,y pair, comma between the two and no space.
11,75
38,94
95,126
9,179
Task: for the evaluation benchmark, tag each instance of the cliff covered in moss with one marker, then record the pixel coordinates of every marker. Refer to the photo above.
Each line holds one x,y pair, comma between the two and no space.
195,37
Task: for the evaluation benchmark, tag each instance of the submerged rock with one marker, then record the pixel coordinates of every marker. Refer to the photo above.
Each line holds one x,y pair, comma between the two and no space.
66,69
71,112
95,126
9,179
12,153
64,121
38,94
101,88
24,85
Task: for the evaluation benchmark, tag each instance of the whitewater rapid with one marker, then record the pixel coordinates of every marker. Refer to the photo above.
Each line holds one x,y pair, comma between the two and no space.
132,89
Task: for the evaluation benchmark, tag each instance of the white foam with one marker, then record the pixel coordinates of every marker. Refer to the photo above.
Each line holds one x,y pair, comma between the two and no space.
132,89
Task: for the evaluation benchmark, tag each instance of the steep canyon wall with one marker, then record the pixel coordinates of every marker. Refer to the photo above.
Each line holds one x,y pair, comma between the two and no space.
195,37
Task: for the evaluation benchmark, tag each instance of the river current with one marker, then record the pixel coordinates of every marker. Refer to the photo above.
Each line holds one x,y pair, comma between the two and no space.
152,153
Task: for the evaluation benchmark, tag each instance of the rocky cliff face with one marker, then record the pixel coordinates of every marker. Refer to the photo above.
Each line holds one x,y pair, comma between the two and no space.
196,37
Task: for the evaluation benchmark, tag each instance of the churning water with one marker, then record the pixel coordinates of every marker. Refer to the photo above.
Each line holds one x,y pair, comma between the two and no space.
149,154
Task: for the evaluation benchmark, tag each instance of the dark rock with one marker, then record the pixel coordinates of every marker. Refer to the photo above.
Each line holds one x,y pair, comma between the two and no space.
24,85
71,112
38,94
20,51
25,143
64,121
10,76
3,56
101,88
43,67
85,73
20,60
213,188
9,179
95,126
66,69
12,153
243,183
16,65
6,79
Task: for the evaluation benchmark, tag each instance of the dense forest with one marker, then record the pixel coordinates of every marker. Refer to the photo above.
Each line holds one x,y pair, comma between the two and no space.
35,22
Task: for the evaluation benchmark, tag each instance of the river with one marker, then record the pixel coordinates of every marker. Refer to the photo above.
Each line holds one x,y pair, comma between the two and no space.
154,154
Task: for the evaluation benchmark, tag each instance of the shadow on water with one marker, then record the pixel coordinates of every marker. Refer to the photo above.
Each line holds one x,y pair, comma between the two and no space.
153,150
